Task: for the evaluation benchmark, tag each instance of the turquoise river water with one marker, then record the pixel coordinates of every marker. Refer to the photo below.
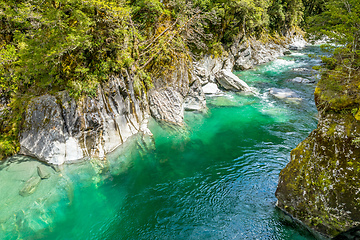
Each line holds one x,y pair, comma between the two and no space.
214,180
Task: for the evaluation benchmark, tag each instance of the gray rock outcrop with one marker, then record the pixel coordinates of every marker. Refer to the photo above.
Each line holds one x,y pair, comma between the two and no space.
244,54
59,129
253,52
167,105
207,67
195,99
320,185
230,81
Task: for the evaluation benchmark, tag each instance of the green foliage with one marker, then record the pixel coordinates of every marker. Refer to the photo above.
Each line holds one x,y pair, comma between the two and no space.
47,46
340,22
66,44
313,8
75,45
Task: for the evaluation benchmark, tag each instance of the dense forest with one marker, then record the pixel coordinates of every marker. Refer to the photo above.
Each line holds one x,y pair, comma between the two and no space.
50,46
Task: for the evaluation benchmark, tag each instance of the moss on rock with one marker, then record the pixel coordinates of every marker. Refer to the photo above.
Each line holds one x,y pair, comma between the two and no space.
320,186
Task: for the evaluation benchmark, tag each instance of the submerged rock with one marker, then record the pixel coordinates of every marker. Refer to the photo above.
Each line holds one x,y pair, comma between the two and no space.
284,93
30,207
301,80
30,186
44,171
230,81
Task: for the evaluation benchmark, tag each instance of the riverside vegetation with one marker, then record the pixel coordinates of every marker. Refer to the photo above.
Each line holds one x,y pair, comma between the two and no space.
47,47
50,46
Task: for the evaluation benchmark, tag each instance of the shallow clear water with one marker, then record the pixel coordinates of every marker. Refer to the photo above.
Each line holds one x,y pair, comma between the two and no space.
214,180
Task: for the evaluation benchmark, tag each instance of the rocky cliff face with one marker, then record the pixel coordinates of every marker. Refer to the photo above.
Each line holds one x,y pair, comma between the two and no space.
321,186
59,129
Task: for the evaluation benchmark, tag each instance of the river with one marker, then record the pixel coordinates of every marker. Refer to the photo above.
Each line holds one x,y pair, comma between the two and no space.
214,180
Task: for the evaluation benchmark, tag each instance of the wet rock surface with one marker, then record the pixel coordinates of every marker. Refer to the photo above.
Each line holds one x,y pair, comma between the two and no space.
30,186
24,194
44,172
33,202
211,88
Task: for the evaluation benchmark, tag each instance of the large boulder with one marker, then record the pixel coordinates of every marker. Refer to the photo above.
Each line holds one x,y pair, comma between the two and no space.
211,88
206,68
320,186
230,81
44,134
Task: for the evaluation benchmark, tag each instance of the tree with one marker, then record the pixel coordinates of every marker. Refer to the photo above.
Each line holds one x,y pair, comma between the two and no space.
340,22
